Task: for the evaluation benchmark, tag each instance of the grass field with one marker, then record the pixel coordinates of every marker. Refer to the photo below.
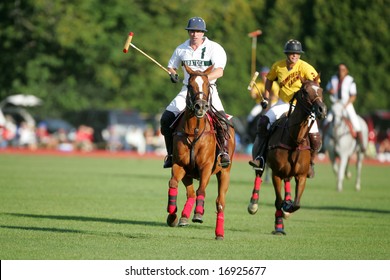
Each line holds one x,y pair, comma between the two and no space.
110,208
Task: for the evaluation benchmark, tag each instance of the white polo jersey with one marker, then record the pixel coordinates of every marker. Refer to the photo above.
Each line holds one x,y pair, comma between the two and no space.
209,53
342,91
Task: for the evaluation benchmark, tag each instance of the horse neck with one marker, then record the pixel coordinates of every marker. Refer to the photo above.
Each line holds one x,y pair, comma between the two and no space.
194,125
298,123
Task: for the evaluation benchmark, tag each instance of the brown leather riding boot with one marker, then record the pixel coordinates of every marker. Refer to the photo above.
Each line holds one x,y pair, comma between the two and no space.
360,142
259,147
315,146
166,120
224,145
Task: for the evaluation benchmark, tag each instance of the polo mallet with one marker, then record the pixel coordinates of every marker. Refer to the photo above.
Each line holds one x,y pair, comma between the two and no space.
128,44
253,84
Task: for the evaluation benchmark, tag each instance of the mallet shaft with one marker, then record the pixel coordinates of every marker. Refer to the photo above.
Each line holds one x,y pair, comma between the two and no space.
255,75
151,58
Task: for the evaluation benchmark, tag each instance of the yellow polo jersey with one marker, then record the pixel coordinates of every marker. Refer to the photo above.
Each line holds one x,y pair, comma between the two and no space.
288,80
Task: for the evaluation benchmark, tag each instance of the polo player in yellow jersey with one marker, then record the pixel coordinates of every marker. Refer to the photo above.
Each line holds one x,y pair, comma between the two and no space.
286,73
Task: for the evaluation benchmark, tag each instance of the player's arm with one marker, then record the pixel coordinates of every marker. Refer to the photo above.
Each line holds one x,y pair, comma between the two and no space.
215,74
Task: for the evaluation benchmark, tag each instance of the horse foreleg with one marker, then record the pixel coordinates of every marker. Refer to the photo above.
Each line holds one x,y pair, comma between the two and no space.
340,176
300,182
359,164
287,204
200,197
177,175
253,204
223,185
279,227
191,196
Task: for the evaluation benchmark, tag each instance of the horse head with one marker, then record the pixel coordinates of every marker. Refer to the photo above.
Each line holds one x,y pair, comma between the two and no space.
311,97
198,94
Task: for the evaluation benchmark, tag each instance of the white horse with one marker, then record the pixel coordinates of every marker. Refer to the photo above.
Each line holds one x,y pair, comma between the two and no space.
340,144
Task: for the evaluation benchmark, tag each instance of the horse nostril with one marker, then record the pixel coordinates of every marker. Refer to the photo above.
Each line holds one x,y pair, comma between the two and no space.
197,107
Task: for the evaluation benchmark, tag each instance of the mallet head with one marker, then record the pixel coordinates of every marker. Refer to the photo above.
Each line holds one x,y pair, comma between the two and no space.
128,42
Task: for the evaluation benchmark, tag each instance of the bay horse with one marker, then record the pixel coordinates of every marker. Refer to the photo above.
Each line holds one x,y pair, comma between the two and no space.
341,144
195,155
288,151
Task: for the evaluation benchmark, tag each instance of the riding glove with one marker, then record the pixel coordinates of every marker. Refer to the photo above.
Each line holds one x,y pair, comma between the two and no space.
264,103
174,78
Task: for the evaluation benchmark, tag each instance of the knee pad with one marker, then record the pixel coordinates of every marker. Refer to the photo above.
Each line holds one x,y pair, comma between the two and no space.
166,120
315,141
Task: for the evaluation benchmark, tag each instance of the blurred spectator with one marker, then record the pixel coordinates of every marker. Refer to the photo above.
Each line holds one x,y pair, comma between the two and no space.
27,136
43,136
135,139
9,131
384,147
113,138
84,138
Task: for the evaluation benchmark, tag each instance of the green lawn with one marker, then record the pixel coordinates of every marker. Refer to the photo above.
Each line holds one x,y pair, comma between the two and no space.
90,208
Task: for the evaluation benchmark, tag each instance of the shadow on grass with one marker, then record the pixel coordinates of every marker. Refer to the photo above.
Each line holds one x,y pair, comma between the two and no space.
62,230
87,219
337,208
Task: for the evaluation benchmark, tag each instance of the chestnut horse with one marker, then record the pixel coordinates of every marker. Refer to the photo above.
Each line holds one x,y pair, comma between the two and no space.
288,153
195,155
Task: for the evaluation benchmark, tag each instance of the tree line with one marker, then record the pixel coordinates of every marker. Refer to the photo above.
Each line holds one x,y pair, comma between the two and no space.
69,53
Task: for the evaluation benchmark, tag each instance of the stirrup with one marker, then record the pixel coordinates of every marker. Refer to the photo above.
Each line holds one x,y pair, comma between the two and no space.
258,163
168,161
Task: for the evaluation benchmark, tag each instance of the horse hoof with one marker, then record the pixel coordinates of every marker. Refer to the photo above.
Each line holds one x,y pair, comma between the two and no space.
252,208
172,220
288,206
183,222
198,218
279,232
286,215
219,238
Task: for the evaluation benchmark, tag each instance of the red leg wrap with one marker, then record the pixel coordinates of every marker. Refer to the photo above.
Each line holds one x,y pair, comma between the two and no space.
287,190
219,229
188,207
172,197
199,204
279,220
256,190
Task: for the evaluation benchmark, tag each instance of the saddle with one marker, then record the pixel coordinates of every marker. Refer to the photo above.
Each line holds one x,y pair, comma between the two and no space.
284,139
217,122
350,127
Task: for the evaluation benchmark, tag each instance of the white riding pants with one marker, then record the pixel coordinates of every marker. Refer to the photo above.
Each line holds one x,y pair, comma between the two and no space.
178,104
350,113
281,107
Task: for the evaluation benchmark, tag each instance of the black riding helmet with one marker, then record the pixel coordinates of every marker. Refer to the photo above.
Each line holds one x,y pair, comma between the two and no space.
293,46
196,23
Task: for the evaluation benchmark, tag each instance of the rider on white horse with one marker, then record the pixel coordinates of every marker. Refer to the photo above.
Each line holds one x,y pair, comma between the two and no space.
342,88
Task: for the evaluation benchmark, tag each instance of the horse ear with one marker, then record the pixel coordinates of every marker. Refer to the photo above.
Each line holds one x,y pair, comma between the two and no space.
188,69
208,70
303,80
317,78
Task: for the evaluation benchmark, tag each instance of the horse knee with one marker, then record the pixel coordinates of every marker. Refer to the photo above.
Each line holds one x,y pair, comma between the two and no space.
173,184
166,120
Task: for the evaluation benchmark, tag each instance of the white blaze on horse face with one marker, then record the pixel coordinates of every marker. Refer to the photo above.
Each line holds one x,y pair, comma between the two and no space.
316,88
199,82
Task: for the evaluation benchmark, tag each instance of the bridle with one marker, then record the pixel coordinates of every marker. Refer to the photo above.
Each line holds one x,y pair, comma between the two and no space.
199,106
